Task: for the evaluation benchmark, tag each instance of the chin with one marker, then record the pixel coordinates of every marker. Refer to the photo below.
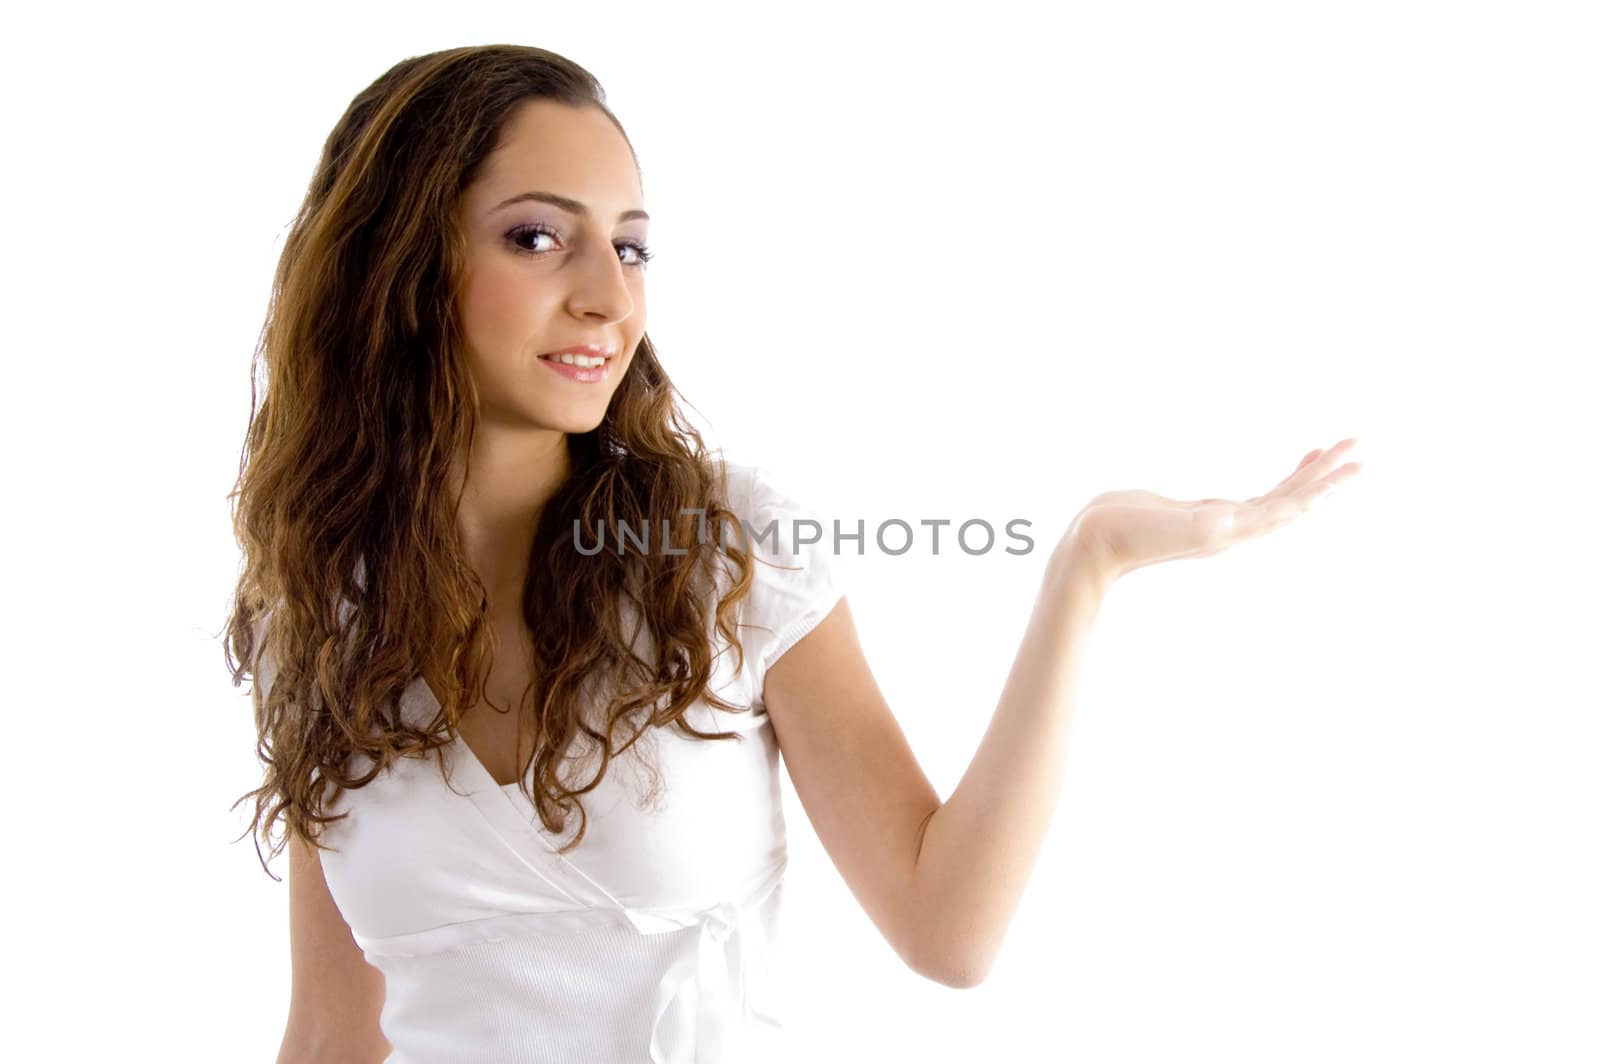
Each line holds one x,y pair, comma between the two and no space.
571,424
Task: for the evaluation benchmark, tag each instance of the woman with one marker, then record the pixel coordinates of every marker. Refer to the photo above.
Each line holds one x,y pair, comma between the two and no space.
528,773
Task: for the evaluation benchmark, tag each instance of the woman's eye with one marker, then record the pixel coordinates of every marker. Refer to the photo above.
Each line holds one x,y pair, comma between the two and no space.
642,252
523,236
528,232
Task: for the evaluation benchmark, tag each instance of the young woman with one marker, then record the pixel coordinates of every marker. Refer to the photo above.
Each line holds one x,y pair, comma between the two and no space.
522,671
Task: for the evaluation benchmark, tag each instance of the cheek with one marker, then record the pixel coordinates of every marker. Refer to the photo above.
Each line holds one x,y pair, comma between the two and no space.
498,307
484,308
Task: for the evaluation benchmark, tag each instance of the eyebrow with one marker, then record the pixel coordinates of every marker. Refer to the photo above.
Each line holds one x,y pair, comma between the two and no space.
564,203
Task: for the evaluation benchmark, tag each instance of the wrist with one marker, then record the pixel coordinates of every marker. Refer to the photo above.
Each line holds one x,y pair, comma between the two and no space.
1077,563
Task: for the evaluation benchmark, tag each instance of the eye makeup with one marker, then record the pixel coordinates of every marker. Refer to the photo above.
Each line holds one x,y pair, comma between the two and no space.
516,237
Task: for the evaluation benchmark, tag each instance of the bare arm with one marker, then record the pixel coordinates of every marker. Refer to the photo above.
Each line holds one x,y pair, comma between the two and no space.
336,995
940,882
979,847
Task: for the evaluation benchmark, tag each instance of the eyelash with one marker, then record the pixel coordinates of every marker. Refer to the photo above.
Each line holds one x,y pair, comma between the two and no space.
642,250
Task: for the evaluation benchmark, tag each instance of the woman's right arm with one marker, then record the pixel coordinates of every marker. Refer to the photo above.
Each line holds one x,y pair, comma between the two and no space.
335,995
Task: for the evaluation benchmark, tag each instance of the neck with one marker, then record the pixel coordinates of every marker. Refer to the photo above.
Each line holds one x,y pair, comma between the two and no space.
509,478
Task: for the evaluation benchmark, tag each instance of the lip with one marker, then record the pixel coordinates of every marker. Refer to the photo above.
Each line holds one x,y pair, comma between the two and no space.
580,349
585,374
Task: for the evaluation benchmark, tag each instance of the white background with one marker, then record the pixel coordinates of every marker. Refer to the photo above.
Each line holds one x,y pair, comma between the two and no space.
1331,796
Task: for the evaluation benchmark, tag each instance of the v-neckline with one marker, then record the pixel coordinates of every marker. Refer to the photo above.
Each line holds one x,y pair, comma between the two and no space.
512,817
460,742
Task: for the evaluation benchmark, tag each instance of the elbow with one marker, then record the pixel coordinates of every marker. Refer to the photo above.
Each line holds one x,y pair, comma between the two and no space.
961,978
955,976
299,1047
958,969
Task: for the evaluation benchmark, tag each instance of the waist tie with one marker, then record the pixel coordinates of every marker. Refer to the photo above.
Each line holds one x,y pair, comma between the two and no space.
701,1009
708,983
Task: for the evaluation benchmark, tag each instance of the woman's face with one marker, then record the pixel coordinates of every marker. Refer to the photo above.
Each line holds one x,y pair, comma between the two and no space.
544,275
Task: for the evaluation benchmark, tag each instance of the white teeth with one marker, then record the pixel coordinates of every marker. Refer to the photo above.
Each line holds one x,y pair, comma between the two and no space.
578,360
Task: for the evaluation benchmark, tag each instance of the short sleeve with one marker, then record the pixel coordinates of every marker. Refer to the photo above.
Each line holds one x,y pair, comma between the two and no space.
797,578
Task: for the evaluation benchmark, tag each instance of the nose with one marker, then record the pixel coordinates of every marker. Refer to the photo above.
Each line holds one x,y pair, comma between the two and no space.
600,286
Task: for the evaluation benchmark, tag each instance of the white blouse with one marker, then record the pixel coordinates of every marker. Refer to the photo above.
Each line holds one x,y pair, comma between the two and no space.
655,939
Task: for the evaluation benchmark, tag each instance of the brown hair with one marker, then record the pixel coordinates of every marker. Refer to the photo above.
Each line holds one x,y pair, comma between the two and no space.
343,513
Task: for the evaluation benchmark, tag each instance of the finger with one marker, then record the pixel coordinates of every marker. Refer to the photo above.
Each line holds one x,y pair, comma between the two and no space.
1314,470
1307,460
1334,479
1295,495
1303,475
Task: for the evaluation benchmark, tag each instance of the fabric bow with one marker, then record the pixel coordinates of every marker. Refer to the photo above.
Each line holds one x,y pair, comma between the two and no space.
701,999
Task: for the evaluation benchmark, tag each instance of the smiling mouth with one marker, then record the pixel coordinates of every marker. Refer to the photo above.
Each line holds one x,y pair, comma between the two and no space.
584,374
579,361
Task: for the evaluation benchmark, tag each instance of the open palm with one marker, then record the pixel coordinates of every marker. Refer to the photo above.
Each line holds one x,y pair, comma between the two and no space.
1127,530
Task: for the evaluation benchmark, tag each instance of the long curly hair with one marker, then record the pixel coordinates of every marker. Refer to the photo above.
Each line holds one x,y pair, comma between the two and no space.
342,503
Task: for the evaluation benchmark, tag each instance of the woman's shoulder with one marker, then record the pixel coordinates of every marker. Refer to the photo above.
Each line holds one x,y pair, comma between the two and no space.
797,578
755,493
741,480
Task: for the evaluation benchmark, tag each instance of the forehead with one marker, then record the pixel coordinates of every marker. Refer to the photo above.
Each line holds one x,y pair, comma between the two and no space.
574,151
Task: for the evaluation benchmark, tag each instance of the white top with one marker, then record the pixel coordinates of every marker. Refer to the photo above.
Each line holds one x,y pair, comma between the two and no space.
655,939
